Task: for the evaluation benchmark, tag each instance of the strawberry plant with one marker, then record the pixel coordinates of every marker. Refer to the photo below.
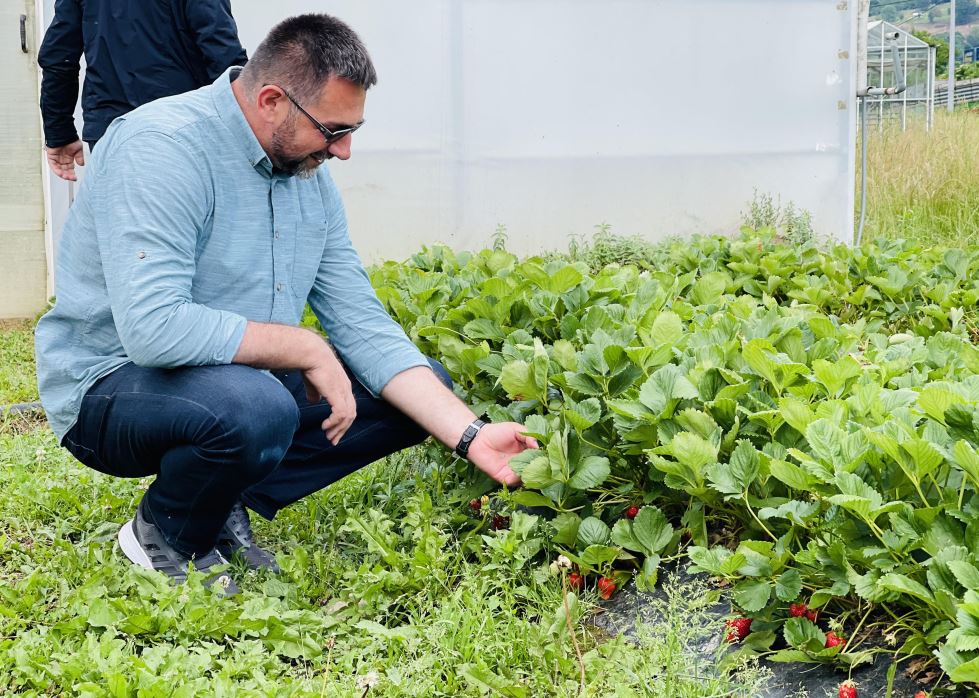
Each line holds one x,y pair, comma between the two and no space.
802,422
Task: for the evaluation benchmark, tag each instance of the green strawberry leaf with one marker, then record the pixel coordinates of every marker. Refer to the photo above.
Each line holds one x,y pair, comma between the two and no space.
591,472
753,595
803,634
593,531
788,586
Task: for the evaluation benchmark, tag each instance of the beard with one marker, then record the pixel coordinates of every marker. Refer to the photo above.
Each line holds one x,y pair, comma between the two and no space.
287,161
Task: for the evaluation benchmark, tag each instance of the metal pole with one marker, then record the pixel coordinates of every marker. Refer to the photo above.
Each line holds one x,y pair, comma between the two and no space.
951,59
863,17
863,170
904,101
880,99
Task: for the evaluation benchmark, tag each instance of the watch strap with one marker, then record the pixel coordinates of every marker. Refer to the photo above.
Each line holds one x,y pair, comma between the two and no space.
462,448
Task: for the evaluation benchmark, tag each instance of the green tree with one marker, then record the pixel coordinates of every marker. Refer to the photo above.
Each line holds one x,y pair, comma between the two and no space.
941,53
967,71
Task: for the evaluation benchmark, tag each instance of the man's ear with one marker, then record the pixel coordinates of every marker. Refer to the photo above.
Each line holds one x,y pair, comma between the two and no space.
272,104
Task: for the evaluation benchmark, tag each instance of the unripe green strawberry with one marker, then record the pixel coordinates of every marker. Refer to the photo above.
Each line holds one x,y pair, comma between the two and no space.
899,338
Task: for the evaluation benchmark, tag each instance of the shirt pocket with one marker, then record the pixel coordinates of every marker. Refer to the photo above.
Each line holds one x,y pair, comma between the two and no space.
310,238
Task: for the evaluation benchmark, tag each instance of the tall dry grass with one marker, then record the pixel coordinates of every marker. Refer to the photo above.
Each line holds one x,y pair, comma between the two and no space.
925,186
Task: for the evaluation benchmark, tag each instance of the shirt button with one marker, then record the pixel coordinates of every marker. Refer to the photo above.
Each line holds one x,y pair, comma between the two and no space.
141,255
276,234
278,287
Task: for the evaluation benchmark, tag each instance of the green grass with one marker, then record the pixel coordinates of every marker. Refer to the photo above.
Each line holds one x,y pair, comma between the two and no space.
385,578
17,380
924,186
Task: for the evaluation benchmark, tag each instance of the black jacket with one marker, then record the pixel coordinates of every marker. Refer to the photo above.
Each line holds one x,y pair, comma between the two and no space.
135,51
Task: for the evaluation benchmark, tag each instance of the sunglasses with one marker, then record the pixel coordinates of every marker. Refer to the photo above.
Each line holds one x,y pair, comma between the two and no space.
330,136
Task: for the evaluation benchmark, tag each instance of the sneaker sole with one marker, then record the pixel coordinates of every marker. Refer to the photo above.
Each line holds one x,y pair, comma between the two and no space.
130,546
132,549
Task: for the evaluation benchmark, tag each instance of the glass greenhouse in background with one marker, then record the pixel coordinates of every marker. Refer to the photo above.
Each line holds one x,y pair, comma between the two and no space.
917,59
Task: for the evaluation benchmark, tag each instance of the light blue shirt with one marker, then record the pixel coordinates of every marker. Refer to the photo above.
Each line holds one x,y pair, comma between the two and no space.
181,233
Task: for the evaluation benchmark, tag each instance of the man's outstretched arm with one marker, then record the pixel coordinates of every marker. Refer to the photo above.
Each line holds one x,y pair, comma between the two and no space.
421,395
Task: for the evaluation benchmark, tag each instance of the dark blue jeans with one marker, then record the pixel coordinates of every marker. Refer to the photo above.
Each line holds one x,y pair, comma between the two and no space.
215,434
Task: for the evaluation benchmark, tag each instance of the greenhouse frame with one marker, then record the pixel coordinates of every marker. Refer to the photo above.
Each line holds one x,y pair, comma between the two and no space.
918,67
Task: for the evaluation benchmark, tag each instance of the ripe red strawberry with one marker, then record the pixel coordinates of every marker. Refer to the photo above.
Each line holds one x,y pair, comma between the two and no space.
631,512
738,629
833,640
576,581
848,689
798,610
500,522
606,587
475,504
812,614
920,694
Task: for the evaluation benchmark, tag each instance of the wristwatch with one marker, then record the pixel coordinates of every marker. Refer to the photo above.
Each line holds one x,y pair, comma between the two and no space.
462,448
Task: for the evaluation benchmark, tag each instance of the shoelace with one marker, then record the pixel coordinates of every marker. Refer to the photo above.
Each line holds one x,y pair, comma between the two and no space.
240,525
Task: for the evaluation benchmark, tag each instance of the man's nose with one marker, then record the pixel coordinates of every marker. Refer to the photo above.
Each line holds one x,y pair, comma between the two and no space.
340,149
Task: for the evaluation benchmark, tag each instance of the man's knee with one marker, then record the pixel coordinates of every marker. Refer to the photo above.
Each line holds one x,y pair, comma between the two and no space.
255,422
440,371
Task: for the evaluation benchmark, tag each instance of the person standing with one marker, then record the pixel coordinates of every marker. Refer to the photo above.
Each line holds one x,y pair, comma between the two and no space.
135,52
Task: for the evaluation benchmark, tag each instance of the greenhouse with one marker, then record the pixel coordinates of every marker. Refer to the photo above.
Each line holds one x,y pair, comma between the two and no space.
917,63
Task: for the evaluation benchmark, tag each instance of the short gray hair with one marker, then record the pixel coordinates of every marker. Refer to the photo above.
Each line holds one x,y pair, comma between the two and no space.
301,53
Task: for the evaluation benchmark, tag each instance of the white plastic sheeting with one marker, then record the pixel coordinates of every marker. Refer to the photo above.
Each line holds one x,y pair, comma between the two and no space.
658,117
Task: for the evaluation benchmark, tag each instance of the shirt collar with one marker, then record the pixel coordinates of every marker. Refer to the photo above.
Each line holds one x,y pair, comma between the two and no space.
230,113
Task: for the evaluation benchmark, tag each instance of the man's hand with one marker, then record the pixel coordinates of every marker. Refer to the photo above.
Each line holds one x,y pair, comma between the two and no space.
420,395
495,445
267,345
63,159
328,379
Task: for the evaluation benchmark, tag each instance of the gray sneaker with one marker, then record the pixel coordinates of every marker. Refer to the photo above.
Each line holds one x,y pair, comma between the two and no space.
145,546
236,539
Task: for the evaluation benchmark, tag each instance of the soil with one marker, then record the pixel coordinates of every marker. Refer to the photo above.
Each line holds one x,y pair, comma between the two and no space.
620,614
